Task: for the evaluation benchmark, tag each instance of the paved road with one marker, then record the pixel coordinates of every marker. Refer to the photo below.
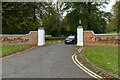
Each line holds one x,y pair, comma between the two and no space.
53,61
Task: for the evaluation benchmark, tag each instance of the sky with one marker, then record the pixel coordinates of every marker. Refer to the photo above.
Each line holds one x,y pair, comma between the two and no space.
109,6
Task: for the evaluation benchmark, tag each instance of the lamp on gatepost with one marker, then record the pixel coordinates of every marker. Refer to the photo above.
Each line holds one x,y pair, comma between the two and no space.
79,35
80,22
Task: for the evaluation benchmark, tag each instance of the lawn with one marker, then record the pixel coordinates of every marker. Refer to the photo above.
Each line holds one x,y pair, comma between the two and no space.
105,57
11,48
114,32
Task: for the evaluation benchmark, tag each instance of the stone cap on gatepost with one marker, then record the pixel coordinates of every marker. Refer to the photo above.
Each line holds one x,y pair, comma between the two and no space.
79,27
40,28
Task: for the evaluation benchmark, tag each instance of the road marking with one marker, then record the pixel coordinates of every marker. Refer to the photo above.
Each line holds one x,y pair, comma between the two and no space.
84,69
87,68
80,49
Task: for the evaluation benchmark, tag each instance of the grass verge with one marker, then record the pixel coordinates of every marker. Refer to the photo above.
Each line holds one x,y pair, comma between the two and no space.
5,49
105,57
12,48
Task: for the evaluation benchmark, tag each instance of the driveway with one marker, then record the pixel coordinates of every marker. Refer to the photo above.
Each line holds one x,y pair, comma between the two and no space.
53,61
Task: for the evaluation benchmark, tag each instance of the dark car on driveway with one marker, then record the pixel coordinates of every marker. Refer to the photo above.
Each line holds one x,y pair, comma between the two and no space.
71,40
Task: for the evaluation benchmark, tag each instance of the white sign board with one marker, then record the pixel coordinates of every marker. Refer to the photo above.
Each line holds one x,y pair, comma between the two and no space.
41,36
80,36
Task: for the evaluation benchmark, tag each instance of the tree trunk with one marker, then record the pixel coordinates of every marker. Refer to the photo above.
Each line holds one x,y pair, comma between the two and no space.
34,13
118,29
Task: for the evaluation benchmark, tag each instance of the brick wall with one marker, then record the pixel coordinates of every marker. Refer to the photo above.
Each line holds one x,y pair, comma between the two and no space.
89,38
31,38
94,39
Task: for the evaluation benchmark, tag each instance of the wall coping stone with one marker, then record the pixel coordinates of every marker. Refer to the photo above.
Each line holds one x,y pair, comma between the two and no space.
101,34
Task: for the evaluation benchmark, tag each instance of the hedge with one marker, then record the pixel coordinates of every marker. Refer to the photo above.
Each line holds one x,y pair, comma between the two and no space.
55,38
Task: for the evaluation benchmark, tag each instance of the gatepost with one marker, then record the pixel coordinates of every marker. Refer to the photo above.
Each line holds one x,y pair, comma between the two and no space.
80,36
41,36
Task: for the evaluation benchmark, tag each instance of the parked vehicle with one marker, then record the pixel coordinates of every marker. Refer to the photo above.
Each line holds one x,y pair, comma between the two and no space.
71,40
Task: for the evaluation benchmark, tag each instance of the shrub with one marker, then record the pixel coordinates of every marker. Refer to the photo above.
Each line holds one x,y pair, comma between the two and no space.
55,38
48,36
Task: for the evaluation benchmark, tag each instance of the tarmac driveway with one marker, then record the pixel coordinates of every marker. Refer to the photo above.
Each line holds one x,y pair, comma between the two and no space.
53,61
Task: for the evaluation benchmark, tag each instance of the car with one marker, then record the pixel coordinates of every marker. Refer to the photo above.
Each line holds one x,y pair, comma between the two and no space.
71,40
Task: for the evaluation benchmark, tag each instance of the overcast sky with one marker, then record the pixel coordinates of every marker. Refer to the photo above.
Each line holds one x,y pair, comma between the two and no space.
109,6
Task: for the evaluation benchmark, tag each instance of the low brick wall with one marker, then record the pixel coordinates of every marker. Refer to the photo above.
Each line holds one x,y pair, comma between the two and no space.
100,39
89,38
10,39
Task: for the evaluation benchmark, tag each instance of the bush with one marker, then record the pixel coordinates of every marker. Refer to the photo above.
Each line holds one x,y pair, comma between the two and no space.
55,38
48,36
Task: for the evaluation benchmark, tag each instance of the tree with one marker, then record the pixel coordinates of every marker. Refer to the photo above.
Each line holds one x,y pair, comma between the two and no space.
116,9
89,13
18,17
111,25
22,17
114,23
52,21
